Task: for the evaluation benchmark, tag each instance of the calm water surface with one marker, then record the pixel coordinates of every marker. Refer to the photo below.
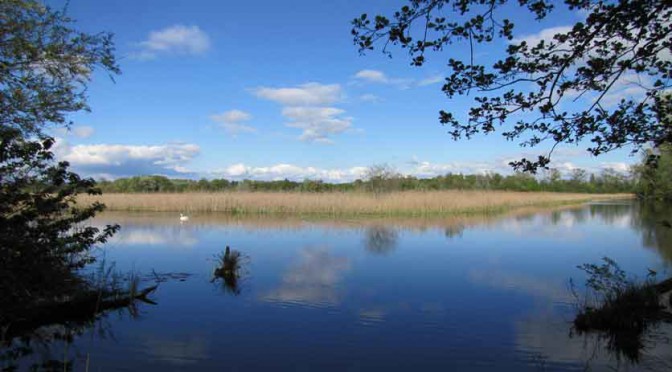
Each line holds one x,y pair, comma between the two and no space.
457,294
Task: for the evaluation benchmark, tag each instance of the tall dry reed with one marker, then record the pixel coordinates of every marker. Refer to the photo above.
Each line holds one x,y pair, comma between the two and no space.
412,203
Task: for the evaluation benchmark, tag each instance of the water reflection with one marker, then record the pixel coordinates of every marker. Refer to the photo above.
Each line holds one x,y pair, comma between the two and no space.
317,296
551,340
314,280
51,347
181,351
229,270
380,239
454,231
650,220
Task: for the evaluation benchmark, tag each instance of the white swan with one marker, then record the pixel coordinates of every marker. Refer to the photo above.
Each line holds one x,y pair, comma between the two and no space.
183,218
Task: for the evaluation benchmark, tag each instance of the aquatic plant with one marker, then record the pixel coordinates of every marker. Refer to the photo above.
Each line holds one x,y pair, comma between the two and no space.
621,309
229,265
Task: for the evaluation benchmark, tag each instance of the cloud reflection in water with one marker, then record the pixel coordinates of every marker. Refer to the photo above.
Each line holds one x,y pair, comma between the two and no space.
313,281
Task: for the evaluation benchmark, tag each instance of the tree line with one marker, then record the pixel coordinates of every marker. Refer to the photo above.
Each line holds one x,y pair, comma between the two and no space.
383,179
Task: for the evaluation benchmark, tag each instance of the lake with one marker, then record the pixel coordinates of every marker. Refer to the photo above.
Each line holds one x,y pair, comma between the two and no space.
462,293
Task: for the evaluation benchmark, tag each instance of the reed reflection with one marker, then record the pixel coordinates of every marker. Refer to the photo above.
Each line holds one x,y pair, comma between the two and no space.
229,270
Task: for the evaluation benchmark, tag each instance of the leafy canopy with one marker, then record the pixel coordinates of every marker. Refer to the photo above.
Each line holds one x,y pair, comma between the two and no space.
553,90
45,65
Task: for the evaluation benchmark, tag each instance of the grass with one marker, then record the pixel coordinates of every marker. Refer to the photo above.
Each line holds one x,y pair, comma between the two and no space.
407,203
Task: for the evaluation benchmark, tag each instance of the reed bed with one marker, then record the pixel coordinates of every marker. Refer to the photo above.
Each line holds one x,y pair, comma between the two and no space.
407,203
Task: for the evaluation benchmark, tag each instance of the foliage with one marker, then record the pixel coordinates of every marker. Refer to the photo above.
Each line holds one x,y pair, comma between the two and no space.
384,181
41,237
382,177
554,89
623,309
45,65
654,174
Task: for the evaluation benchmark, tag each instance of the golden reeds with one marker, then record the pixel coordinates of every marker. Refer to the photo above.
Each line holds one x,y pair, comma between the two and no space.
408,203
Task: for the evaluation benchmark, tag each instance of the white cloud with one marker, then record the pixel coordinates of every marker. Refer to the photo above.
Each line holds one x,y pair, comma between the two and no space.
545,34
82,131
431,80
373,76
177,39
630,85
379,77
127,160
306,106
425,169
289,171
372,98
309,94
314,280
419,169
232,120
232,116
616,166
317,123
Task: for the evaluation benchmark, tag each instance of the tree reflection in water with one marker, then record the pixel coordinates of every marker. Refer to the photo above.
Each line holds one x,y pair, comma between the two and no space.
49,347
652,220
631,344
380,239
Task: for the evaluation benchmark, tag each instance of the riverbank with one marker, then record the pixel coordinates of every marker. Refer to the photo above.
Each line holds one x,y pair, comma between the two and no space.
407,203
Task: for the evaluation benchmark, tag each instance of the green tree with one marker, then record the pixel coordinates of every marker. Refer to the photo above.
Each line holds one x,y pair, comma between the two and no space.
654,174
618,41
381,178
41,237
45,65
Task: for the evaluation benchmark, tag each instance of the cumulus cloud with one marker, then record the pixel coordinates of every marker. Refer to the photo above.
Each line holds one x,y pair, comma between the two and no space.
426,169
307,107
232,122
317,123
309,94
415,168
114,161
289,171
564,161
177,39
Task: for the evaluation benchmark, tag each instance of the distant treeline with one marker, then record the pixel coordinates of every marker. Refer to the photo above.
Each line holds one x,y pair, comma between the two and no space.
381,179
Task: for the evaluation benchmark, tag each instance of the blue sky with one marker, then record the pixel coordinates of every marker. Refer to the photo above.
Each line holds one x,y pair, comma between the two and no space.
275,89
